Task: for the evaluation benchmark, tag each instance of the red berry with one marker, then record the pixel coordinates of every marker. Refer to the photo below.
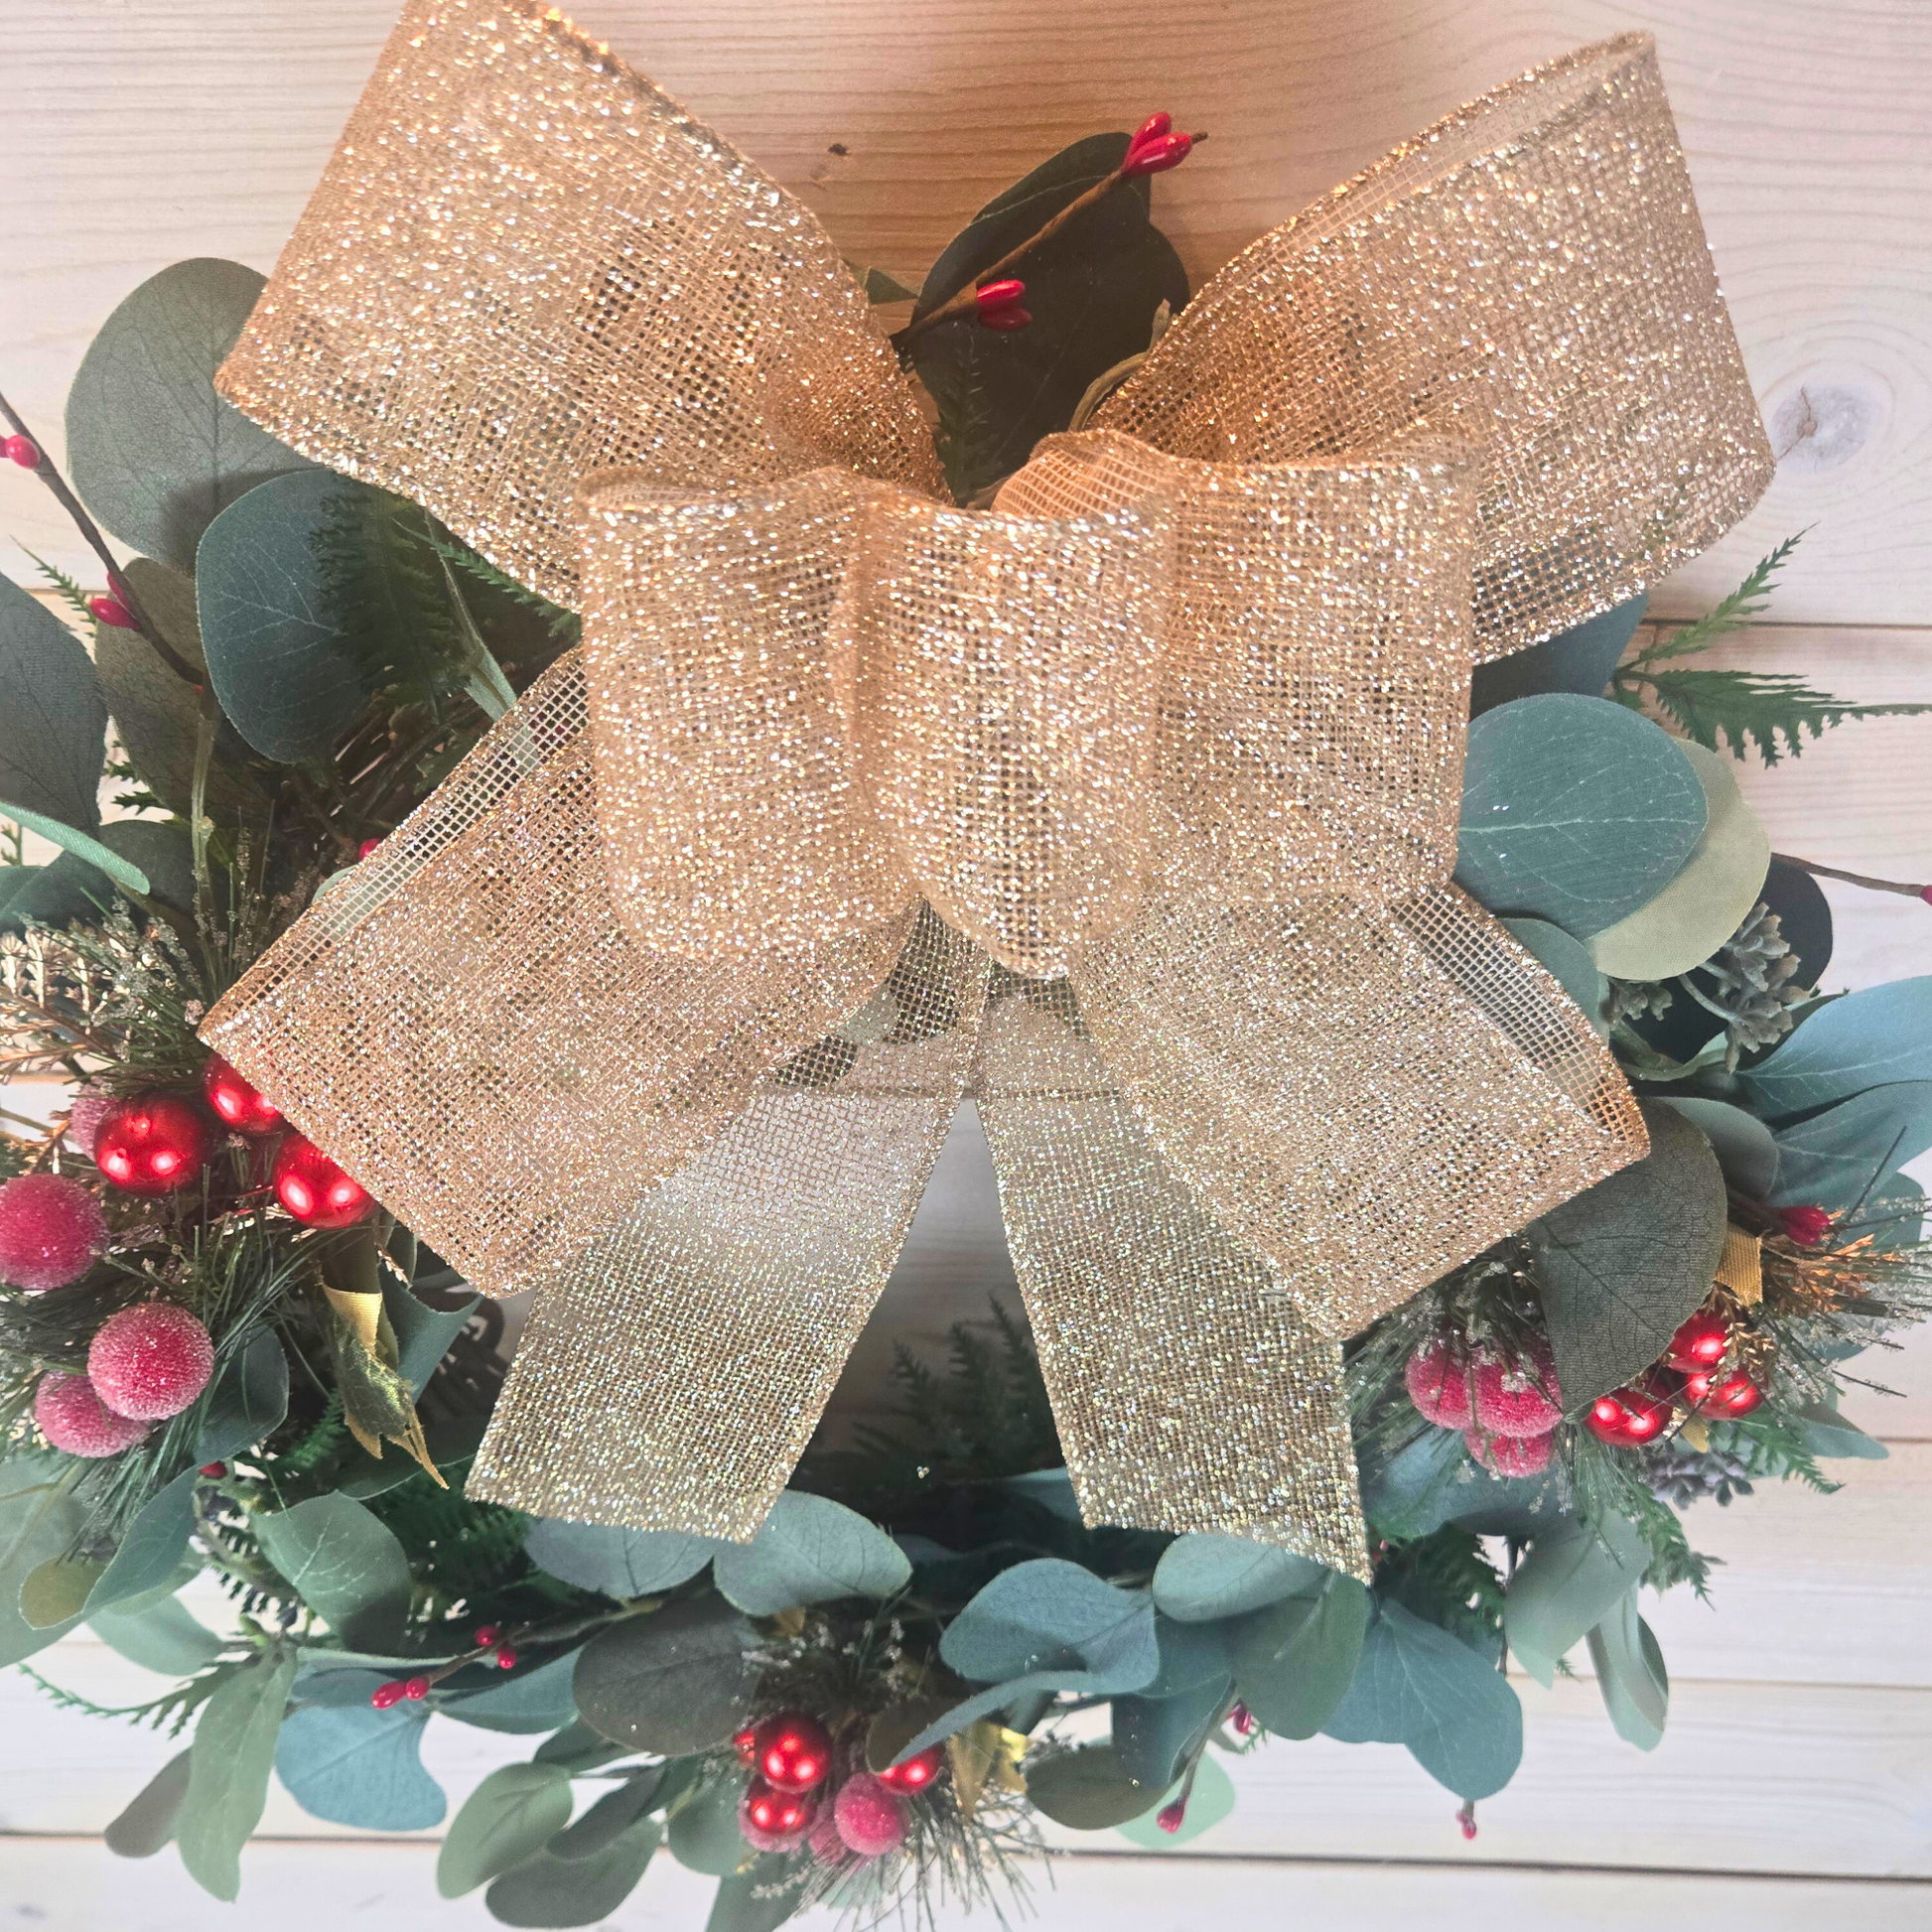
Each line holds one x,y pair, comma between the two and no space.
506,1658
238,1103
1150,129
150,1361
488,1634
794,1752
1699,1344
154,1144
386,1695
999,295
773,1820
1171,1817
745,1743
916,1772
1438,1380
368,846
74,1417
51,1230
1734,1395
415,1688
1511,1455
215,1471
22,450
1243,1720
111,612
1007,321
868,1816
87,1109
827,1846
1627,1417
1519,1398
1807,1226
1157,155
314,1189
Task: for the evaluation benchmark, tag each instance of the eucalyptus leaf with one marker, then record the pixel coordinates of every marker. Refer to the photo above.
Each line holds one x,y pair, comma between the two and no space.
1580,659
39,1520
359,1766
1622,1264
1051,1489
228,1781
1202,1578
342,1690
893,1728
344,1563
553,1890
1831,1159
1574,810
620,1563
580,1748
1093,291
677,1681
532,1701
152,451
55,742
1089,1789
1746,1149
761,1898
1420,1687
702,1831
1569,963
283,667
1572,1577
1049,1614
55,1591
1828,1434
1154,1736
1842,1047
809,1550
148,1823
153,1545
509,1816
1294,1660
423,1333
1630,1675
250,1398
165,1637
611,1817
1211,1801
1191,1654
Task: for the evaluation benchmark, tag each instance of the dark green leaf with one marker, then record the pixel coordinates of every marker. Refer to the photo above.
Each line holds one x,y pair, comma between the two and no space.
579,1747
1202,1578
148,1823
1431,1480
154,1544
228,1782
1828,1434
1580,659
346,1566
55,719
1630,1674
1842,1047
1572,1577
509,1816
679,1680
1419,1686
165,1636
1191,1654
1089,1789
250,1397
1092,291
1833,1157
1295,1661
761,1898
153,452
281,666
1745,1151
532,1701
359,1766
55,1591
1575,811
1569,963
889,1733
809,1550
423,1333
552,1890
611,1817
617,1562
1625,1262
703,1832
1054,1615
1154,1736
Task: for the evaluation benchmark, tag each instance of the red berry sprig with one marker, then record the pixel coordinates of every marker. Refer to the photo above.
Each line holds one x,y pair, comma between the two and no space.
999,306
1808,1226
1628,1417
22,450
793,1751
111,612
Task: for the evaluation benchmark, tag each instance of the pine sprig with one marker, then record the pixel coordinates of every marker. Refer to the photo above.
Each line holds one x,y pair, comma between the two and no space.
564,625
1746,709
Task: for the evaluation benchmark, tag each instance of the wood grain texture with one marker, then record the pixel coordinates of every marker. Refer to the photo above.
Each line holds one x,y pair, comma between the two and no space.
139,132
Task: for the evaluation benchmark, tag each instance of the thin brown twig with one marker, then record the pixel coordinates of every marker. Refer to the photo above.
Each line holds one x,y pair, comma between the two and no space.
1856,877
85,524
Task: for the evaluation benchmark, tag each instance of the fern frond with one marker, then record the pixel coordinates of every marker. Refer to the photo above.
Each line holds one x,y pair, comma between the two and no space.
1743,606
71,594
1753,710
564,625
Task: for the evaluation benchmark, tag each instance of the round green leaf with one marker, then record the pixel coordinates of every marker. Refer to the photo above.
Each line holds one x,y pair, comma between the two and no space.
809,1550
37,1523
280,661
1211,1801
1741,1142
508,1818
357,1765
1295,1661
619,1562
1087,1790
152,451
1201,1579
1574,810
165,1637
1708,901
55,1591
1049,1614
52,745
703,1832
1842,1047
680,1680
552,1890
1154,1736
1572,1577
532,1701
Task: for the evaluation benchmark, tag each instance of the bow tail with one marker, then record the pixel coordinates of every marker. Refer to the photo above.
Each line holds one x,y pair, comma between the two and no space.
1188,1392
671,1377
1368,1099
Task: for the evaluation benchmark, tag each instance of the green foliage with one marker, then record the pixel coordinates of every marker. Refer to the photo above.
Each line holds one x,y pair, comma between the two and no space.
1580,659
554,1890
1210,1798
1832,1157
1573,1576
1447,1578
344,1563
1628,1664
1202,1578
458,1548
1089,1789
1293,1662
505,1821
56,719
677,1681
565,628
1746,709
616,1562
148,1821
359,1766
1843,1046
809,1550
228,1781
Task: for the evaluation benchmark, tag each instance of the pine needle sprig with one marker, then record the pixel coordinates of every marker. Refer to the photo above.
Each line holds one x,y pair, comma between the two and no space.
564,625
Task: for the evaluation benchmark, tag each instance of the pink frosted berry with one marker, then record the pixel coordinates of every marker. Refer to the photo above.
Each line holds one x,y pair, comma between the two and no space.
85,1115
1518,1399
1511,1455
827,1846
74,1417
151,1360
868,1815
51,1230
1438,1380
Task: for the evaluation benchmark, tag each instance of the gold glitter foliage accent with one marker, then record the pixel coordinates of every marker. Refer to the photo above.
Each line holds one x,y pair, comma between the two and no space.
665,1000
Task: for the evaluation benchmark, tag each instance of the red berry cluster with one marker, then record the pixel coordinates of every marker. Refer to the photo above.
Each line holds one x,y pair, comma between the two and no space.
491,1649
1691,1375
795,1765
1155,147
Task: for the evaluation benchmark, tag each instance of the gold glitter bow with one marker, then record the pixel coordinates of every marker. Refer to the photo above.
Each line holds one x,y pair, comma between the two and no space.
1127,809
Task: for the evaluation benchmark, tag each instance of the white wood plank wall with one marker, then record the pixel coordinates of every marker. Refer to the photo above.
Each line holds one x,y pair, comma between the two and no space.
1795,1785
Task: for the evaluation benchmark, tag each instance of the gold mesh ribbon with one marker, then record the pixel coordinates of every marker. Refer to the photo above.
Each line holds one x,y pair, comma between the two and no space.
665,999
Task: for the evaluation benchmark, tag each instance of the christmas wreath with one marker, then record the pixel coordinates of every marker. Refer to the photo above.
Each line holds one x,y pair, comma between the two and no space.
222,1352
